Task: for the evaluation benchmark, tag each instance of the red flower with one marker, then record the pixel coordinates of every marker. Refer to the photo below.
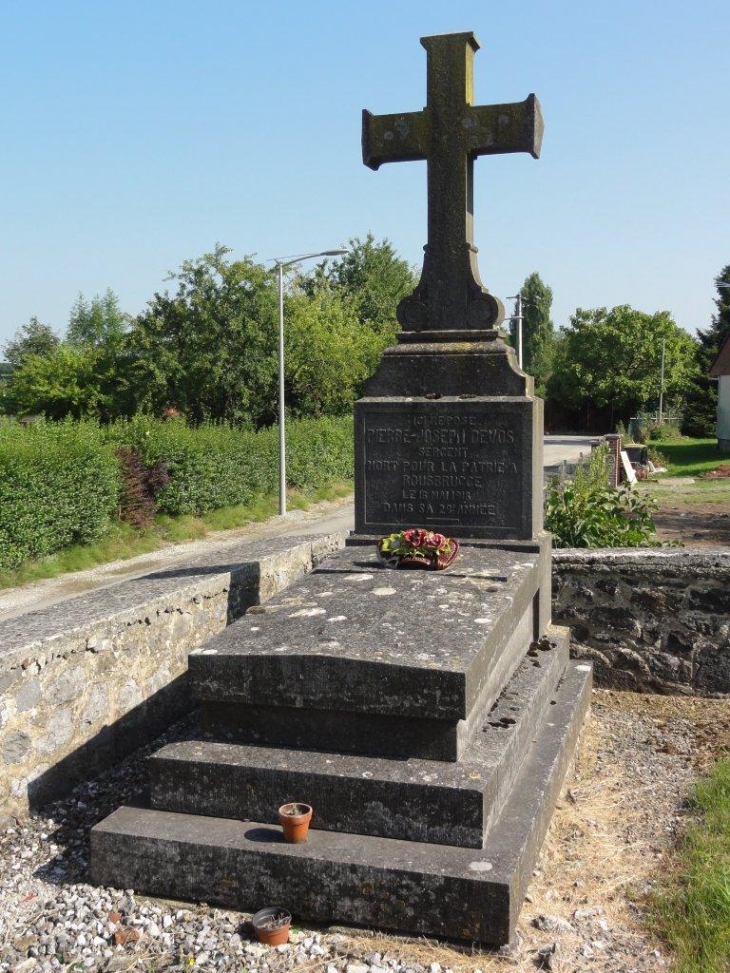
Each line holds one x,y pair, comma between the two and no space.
415,537
435,541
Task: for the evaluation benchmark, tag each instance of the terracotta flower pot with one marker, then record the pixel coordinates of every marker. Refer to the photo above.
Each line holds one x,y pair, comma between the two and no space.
271,926
294,819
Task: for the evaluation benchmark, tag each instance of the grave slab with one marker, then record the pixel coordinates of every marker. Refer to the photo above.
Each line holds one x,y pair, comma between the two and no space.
358,637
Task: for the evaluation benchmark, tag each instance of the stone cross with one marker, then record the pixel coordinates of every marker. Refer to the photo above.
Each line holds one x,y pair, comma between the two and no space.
449,133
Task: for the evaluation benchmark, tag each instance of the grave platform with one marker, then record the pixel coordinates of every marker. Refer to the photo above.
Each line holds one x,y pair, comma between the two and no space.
409,886
413,799
417,644
432,770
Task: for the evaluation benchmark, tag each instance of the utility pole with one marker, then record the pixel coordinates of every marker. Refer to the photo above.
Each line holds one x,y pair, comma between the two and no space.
518,318
661,383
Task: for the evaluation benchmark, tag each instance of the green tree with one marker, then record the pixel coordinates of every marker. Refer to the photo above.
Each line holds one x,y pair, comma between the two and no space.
537,328
70,382
372,278
328,353
701,408
610,361
209,349
96,323
34,338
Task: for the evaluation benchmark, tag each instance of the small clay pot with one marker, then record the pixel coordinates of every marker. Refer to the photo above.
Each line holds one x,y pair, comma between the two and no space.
271,926
294,819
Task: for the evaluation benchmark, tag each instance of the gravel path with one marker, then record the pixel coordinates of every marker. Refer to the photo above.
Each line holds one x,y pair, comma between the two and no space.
611,838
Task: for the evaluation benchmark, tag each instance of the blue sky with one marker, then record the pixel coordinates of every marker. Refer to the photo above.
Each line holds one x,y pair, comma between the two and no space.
136,135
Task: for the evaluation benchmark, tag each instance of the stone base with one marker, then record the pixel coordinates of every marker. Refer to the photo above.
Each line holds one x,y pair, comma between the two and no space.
428,718
409,886
416,800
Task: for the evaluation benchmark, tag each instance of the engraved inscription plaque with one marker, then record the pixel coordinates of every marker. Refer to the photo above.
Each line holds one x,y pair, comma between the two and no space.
460,466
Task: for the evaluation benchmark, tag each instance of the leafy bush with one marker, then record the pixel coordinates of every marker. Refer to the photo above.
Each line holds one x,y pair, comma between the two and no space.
657,458
667,431
59,485
586,512
699,427
65,483
141,484
208,467
319,451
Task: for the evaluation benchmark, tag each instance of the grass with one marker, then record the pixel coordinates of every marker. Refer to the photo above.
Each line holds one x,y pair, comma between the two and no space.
690,457
123,542
692,910
708,491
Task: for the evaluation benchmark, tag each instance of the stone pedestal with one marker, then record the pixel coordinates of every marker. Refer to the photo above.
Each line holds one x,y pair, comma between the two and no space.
449,436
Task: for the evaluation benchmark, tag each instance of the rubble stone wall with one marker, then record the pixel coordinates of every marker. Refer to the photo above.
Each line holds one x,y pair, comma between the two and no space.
88,680
655,620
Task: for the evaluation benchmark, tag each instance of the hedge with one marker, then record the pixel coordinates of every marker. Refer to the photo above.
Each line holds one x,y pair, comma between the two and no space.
59,485
60,482
212,466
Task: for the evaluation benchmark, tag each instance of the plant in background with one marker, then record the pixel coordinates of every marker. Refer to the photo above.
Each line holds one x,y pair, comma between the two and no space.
657,458
141,485
587,512
664,431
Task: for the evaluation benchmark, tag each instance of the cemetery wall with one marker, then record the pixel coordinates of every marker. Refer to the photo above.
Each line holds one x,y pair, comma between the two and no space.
87,681
651,620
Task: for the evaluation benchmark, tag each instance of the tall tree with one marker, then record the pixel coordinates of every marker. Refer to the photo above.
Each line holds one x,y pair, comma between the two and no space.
372,278
701,408
209,348
34,338
98,322
610,361
329,354
537,328
71,382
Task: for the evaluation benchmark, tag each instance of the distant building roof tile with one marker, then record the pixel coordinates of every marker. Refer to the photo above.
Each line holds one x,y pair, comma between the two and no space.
722,362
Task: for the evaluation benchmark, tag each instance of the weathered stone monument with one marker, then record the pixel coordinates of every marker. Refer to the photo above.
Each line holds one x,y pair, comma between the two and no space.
428,717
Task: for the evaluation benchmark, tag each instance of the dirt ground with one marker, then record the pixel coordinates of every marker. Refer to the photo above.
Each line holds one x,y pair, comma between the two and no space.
611,839
693,511
695,525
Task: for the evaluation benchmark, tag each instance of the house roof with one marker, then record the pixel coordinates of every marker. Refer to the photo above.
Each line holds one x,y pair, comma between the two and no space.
722,362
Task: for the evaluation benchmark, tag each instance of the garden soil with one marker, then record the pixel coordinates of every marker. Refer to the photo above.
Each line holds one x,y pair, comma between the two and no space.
693,524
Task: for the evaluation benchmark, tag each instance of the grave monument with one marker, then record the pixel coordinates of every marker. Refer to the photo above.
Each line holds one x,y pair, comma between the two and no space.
429,718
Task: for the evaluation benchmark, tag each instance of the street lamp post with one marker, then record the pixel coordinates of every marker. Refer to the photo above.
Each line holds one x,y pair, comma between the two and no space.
281,263
518,318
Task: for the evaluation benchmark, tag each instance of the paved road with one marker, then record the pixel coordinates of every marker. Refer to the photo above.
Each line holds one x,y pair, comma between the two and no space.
566,448
321,519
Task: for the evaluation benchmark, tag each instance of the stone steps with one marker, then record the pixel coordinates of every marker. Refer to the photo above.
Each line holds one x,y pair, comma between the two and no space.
413,800
415,887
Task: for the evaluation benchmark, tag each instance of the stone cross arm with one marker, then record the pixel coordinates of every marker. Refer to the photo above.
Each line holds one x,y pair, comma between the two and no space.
449,133
486,130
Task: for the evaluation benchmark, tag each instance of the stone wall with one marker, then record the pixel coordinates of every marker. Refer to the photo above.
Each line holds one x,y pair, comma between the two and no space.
655,620
90,679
